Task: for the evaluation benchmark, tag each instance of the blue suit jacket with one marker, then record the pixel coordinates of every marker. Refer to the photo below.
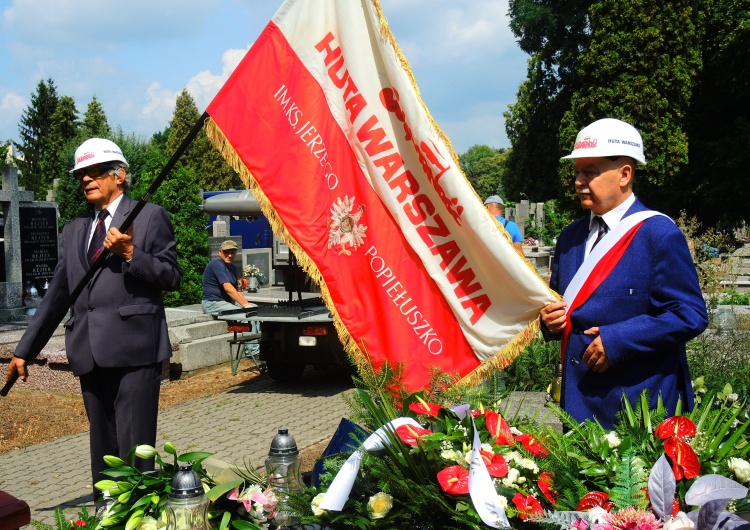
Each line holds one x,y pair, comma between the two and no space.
646,310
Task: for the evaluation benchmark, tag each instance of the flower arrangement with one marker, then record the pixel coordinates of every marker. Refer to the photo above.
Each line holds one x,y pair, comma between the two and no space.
421,477
252,271
653,471
136,500
530,241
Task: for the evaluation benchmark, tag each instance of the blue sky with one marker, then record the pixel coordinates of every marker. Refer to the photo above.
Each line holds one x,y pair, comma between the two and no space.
136,56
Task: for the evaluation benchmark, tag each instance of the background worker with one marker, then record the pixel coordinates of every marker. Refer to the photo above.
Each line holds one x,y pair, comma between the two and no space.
220,282
637,309
496,207
116,337
220,289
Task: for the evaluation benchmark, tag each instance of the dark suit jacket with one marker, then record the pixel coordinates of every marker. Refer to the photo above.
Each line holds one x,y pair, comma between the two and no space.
118,320
647,309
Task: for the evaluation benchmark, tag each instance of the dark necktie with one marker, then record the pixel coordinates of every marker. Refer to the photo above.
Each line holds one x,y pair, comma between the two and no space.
603,229
97,242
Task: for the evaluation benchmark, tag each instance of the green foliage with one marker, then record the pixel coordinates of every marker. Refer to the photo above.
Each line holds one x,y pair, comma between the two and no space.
631,481
34,130
718,124
484,168
180,195
95,123
650,55
84,520
720,359
533,370
732,297
201,157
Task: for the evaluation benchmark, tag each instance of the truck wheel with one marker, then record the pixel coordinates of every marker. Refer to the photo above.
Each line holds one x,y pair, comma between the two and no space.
285,372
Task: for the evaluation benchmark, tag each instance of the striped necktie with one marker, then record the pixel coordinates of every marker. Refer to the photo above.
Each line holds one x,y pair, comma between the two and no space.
603,229
97,241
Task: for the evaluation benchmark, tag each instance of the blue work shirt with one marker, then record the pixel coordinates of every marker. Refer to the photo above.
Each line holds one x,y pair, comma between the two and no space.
215,275
512,228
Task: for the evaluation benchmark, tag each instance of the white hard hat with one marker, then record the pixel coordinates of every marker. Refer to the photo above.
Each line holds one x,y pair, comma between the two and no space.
609,137
97,151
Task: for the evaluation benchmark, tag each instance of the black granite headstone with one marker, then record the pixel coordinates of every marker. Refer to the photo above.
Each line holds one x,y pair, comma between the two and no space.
38,244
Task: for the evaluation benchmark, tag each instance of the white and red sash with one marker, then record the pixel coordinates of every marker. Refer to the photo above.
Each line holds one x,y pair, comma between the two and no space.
599,264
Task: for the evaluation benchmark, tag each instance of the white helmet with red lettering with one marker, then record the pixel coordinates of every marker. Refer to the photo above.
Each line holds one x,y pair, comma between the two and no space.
97,151
609,137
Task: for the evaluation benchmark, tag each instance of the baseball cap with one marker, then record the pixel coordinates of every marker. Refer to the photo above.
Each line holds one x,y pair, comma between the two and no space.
495,199
229,245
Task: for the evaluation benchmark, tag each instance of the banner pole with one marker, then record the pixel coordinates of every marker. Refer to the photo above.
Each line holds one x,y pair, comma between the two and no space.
55,317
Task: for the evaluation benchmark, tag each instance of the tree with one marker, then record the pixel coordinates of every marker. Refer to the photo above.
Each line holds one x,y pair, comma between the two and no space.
36,123
202,157
60,140
718,124
483,167
639,66
95,123
180,195
553,33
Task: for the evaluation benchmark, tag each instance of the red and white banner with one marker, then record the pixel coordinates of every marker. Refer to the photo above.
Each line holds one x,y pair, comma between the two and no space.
324,121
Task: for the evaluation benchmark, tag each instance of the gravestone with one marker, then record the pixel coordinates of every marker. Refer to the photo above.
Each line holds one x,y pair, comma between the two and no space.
38,243
11,290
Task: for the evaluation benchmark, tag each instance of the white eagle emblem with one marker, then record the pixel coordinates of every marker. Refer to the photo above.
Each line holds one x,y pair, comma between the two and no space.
344,228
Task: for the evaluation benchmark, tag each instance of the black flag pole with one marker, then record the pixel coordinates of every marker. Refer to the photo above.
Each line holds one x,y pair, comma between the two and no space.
55,316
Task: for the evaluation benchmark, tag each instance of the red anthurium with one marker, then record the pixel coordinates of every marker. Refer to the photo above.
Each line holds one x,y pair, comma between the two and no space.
593,499
676,426
422,407
532,445
545,485
685,463
499,428
80,522
454,480
527,506
496,464
410,434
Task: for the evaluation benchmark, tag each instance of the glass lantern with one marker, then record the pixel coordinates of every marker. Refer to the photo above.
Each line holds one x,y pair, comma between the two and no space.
283,468
187,507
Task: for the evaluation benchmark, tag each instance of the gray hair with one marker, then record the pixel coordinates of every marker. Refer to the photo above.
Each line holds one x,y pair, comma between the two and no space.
128,178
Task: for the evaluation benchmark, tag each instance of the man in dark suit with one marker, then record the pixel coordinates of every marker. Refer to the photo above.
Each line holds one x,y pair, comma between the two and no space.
631,294
116,336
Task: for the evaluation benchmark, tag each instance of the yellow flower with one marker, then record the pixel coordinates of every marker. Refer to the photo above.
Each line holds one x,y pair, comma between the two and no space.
315,504
379,505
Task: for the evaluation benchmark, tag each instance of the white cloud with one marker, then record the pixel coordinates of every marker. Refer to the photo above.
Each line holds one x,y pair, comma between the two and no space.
204,86
159,105
11,108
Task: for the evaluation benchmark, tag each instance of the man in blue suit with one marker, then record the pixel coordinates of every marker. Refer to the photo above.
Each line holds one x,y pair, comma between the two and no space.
631,295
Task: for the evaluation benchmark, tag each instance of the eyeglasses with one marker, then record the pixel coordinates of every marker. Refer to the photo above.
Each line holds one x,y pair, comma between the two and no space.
94,172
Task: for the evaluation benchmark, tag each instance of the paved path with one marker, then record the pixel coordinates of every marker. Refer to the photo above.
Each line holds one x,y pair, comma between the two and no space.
236,425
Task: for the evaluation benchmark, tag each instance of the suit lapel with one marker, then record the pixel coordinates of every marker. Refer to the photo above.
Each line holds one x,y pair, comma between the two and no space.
82,238
123,209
